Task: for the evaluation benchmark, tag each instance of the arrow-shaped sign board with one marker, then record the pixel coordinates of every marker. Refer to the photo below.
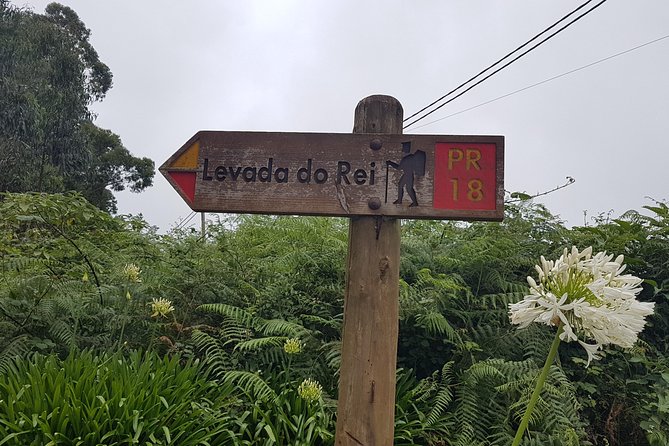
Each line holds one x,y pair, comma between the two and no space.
402,176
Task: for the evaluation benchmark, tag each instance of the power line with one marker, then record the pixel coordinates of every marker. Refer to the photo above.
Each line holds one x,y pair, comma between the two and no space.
183,225
546,80
506,64
498,61
185,221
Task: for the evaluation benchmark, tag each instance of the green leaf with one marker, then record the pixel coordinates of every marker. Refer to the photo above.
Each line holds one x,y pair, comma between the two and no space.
12,436
521,196
168,437
270,434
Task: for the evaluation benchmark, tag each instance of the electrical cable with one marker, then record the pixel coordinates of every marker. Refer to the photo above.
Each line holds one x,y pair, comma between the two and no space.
185,221
189,219
181,222
506,64
546,80
498,61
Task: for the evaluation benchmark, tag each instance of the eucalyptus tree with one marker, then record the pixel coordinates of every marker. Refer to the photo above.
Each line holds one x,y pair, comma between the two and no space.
50,74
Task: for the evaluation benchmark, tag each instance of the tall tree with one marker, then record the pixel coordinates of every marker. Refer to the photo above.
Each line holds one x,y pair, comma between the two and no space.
111,168
49,76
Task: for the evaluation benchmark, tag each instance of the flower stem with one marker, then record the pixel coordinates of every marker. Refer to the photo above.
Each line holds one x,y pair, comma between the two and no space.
537,389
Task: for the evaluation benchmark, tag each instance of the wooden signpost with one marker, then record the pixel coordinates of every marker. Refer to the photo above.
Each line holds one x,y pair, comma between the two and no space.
375,176
391,175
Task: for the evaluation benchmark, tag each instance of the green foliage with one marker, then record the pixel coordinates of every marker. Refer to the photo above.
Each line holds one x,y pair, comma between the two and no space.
251,343
89,399
49,75
61,265
421,407
254,282
296,264
623,395
111,168
269,410
285,419
465,373
482,405
429,312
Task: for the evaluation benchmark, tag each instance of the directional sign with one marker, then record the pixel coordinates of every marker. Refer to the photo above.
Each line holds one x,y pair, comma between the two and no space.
402,176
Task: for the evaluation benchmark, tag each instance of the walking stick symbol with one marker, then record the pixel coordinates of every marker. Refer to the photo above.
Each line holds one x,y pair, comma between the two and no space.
387,169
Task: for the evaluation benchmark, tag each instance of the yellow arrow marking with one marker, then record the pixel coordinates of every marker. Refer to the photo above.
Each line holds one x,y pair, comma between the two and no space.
188,159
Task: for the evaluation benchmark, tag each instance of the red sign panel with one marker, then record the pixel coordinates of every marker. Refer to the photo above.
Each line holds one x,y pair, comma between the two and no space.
464,176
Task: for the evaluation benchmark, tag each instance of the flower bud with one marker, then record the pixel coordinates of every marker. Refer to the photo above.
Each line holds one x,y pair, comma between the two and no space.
310,390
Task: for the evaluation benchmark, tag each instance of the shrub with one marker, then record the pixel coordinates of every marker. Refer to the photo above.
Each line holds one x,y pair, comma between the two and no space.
90,399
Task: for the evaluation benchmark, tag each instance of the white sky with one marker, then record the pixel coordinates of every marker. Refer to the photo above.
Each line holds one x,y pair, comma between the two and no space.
302,66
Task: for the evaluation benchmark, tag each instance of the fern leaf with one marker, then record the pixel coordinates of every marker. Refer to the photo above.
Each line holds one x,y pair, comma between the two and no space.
242,316
18,347
281,327
260,343
435,323
251,383
216,361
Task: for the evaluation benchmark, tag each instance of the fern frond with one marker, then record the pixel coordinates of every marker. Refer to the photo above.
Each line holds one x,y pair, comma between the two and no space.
327,322
439,405
251,383
333,355
260,343
270,356
23,263
17,347
281,327
501,301
232,332
63,332
438,391
216,359
238,314
435,323
482,370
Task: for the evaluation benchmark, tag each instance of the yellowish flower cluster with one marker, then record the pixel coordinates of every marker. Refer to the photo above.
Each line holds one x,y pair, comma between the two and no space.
310,390
292,346
161,307
132,272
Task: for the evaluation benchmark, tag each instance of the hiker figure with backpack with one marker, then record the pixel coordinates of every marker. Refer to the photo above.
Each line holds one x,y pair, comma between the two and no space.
411,165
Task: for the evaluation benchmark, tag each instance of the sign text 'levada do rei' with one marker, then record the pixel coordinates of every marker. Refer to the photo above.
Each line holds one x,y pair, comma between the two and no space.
403,176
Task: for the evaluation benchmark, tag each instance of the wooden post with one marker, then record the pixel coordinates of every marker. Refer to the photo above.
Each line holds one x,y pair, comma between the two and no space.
366,406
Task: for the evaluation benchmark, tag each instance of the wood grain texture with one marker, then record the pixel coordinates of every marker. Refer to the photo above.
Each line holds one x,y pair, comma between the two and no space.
331,174
366,405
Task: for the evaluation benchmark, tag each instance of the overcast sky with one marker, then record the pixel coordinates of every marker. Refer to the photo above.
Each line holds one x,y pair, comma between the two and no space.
302,66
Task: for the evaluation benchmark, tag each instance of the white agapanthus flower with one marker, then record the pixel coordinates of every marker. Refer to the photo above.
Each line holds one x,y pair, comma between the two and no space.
589,296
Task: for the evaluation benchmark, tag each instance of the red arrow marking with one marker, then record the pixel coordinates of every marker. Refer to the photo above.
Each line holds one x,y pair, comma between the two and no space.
186,182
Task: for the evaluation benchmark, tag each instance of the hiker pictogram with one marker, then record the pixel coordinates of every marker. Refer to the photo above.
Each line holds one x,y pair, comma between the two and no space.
411,165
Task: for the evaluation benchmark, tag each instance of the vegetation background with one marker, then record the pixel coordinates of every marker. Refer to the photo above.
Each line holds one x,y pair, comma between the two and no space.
76,323
111,333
